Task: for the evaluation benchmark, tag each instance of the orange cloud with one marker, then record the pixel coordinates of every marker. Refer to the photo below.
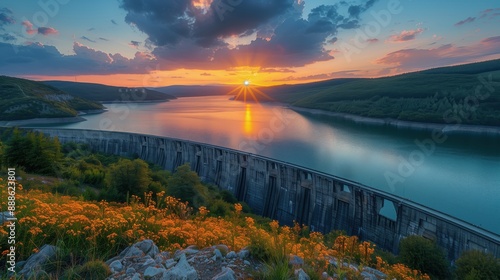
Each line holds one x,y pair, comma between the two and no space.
406,35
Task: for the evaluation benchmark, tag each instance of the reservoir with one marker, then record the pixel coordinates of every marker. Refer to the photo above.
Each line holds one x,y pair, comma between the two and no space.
459,176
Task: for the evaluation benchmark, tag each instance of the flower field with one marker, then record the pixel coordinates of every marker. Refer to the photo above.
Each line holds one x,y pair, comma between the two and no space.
100,230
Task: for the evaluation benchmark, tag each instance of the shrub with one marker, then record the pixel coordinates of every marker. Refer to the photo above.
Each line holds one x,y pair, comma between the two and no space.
422,254
477,265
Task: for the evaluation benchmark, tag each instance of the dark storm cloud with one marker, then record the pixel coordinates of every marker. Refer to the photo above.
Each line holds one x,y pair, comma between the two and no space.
168,22
188,37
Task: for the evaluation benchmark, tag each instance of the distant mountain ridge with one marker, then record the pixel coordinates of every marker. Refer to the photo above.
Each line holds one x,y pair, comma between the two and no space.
104,93
24,99
469,94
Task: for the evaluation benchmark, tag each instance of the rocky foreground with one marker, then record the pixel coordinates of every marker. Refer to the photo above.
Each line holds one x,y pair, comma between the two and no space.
143,260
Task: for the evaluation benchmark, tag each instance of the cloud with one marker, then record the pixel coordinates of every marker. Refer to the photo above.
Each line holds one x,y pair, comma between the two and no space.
103,39
416,59
29,27
47,31
187,34
467,20
7,37
87,39
40,30
34,59
114,22
406,35
490,13
274,70
134,44
372,40
91,29
5,17
205,74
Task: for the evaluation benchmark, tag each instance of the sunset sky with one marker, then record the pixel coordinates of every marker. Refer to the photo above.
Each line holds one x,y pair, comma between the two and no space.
147,43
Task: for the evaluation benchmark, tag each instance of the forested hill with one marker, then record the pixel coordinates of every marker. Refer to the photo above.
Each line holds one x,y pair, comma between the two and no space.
104,93
470,92
24,99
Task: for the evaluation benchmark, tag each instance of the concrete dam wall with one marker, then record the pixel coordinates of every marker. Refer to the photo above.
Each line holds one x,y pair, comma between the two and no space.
288,193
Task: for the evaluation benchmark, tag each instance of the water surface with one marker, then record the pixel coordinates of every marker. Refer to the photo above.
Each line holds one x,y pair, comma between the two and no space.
460,176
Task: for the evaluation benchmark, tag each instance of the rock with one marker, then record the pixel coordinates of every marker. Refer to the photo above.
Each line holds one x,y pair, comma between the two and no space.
189,252
181,271
154,271
324,275
375,272
246,262
116,266
4,216
223,248
35,262
130,270
334,262
300,274
295,261
231,255
368,276
139,249
226,274
218,254
243,254
136,276
170,263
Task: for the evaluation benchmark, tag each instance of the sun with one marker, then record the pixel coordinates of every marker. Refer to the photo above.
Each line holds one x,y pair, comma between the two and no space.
246,83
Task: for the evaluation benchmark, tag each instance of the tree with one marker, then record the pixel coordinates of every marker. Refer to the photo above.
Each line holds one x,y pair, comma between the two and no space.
477,265
186,185
128,177
423,254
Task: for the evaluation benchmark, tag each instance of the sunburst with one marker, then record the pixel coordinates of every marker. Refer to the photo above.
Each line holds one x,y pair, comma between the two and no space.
249,92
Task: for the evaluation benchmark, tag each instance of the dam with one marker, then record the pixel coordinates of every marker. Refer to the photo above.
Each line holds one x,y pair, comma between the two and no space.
287,192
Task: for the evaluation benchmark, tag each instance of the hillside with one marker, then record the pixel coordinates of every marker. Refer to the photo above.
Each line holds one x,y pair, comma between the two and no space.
104,93
435,95
24,99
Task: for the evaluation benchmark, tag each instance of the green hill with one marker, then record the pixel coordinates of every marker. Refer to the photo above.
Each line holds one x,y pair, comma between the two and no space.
104,93
24,99
434,95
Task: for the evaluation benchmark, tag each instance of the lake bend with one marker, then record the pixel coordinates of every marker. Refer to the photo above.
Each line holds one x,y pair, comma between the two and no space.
457,174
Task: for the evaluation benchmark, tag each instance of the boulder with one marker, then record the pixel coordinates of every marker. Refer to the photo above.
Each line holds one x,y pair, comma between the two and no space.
137,250
226,274
300,274
181,271
154,271
35,262
295,261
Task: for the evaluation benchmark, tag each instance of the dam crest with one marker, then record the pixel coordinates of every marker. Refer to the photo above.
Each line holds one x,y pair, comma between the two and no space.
287,192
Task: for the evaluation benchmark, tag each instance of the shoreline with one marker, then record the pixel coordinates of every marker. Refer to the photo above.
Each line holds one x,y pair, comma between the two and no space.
138,101
444,128
38,121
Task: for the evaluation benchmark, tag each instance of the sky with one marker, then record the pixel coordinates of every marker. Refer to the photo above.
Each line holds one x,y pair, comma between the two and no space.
150,43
